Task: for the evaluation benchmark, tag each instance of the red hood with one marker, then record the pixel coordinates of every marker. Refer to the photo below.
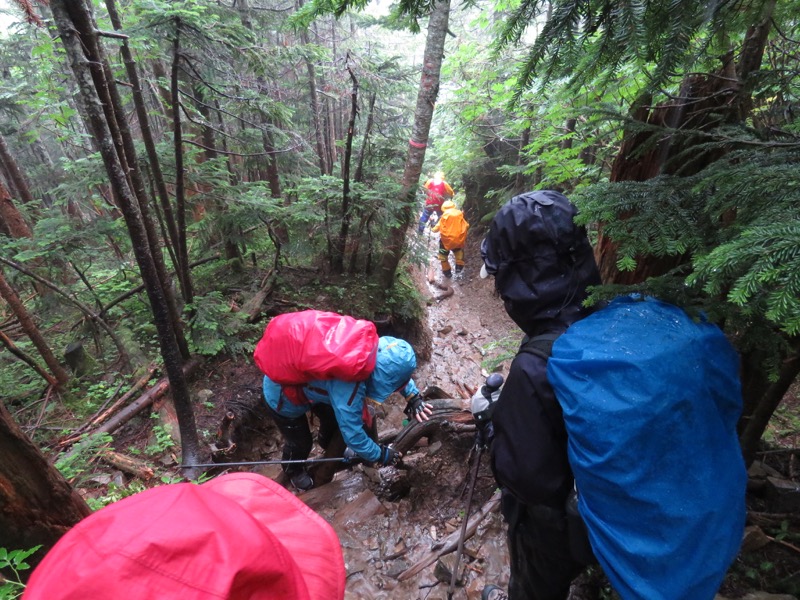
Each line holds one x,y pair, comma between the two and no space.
240,536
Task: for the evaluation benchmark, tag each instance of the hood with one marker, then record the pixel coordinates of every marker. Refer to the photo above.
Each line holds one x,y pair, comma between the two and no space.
448,204
239,536
541,260
394,366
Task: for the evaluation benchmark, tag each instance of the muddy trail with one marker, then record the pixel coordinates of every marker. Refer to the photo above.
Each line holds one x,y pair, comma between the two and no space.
399,527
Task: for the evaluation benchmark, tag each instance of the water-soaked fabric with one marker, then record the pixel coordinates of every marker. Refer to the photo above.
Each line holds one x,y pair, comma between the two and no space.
650,400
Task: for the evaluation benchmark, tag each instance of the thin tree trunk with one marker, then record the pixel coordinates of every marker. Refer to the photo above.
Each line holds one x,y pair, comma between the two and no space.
32,331
117,122
768,401
423,115
147,137
39,506
362,153
180,194
338,263
75,40
315,107
232,252
519,180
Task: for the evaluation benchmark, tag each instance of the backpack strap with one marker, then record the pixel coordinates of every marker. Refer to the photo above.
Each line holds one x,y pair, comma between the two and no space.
540,345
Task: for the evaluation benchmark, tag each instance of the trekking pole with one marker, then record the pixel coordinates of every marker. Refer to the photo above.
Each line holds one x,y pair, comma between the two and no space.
461,537
493,383
307,461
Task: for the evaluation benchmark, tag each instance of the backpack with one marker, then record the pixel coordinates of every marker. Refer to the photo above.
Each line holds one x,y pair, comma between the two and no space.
650,400
309,345
435,193
453,229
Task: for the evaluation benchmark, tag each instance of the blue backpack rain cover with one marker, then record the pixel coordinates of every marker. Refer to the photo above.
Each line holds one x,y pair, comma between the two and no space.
651,400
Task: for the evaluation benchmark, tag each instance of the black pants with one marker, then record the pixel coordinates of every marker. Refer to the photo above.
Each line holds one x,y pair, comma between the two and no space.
542,567
297,440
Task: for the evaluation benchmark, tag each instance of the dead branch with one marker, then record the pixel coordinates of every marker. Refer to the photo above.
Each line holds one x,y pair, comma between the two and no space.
104,413
6,341
145,400
450,543
90,314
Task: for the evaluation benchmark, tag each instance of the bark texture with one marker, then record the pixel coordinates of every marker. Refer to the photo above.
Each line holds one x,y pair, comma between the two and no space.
37,505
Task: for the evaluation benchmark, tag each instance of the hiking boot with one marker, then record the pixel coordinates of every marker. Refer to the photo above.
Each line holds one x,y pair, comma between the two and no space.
447,273
492,592
301,480
459,269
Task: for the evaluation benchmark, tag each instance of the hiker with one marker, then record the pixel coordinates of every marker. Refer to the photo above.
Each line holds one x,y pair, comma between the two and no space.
591,435
543,288
343,405
437,190
240,536
452,228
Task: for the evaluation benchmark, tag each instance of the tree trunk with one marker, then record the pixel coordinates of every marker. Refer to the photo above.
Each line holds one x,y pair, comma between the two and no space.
519,180
226,231
359,175
118,126
180,182
341,243
769,398
423,115
147,138
316,112
13,222
75,39
38,505
15,173
32,331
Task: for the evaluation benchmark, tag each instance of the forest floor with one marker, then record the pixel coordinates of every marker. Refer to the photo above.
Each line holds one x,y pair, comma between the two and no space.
394,523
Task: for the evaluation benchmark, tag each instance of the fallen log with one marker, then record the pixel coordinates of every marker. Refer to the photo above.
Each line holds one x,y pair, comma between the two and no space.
447,414
252,308
127,464
450,543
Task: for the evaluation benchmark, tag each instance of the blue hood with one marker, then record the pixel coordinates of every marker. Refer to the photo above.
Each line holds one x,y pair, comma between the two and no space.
393,368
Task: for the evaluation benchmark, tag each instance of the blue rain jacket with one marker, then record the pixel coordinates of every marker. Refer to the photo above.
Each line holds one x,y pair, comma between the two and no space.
650,400
394,365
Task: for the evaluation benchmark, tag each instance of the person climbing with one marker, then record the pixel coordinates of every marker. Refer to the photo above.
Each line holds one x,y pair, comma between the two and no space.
437,190
239,536
452,228
577,489
343,405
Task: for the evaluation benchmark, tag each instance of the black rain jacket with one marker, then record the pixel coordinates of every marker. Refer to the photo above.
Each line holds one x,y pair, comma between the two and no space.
542,264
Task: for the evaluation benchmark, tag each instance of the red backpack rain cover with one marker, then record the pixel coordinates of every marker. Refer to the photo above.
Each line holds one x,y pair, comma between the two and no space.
299,347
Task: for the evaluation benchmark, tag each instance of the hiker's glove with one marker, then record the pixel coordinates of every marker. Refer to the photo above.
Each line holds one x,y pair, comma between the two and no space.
350,457
418,409
389,456
482,409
